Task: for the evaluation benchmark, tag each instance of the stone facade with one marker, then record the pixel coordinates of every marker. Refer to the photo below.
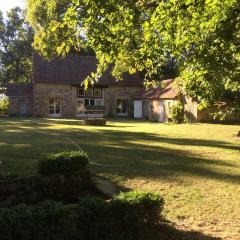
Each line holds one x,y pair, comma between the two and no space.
68,96
112,93
44,91
20,106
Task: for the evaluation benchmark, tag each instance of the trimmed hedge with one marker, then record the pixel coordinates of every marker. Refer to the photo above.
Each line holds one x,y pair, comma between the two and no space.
95,121
63,163
127,216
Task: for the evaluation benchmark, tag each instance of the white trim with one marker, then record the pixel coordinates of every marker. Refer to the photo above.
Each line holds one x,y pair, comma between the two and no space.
60,108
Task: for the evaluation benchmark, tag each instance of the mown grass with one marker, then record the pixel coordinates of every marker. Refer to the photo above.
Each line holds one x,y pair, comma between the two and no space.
195,167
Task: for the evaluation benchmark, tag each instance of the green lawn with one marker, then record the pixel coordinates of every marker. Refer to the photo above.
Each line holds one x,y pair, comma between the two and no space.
196,168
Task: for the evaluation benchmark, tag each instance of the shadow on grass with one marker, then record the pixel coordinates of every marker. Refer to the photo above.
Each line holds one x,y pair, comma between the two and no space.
169,232
126,152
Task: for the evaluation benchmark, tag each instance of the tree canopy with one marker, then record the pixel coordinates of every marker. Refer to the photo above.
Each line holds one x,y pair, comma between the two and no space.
200,37
16,39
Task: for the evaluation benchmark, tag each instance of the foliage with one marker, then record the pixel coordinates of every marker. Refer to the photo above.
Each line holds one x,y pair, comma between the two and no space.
227,111
91,219
3,105
138,207
143,155
63,163
177,112
200,37
16,38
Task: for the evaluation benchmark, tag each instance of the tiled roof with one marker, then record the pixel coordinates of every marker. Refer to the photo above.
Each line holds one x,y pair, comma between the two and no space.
166,92
19,90
74,70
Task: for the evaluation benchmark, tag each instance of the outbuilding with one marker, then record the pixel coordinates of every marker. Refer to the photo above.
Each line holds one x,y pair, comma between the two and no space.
156,103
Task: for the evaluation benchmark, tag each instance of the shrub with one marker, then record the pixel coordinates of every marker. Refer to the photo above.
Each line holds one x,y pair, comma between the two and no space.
42,221
63,163
178,113
137,209
95,121
3,104
91,219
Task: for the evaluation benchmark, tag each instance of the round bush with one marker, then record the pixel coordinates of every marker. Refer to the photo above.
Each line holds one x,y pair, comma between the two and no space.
63,163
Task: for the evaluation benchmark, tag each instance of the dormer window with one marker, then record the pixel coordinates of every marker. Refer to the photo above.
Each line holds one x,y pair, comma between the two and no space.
89,92
80,92
97,92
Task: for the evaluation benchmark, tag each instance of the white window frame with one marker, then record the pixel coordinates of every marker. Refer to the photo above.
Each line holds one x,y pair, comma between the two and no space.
122,114
54,107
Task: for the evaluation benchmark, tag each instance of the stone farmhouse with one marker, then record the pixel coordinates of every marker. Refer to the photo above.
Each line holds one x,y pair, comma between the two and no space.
56,92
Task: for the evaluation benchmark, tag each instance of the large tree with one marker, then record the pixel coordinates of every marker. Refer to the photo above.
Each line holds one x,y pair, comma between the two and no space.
200,37
16,38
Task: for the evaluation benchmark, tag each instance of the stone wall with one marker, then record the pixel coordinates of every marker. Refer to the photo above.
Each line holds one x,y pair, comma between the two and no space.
112,93
42,93
68,96
14,106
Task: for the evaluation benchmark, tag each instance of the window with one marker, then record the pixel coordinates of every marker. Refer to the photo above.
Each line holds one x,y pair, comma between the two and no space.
86,102
80,106
169,106
89,92
92,102
80,92
98,102
97,92
55,107
122,107
22,106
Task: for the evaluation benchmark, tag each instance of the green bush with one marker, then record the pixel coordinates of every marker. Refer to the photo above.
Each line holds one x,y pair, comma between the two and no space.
177,113
90,219
134,211
63,163
3,105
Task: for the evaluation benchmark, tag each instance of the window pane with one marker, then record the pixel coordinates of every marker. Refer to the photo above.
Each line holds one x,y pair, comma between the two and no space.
57,102
92,102
80,106
98,102
124,106
89,92
54,106
97,92
51,110
51,101
57,109
80,92
86,102
121,105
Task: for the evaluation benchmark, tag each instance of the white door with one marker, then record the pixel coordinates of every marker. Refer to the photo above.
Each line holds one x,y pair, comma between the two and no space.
161,111
137,109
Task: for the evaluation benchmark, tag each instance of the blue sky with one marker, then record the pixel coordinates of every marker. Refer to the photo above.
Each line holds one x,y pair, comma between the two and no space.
6,5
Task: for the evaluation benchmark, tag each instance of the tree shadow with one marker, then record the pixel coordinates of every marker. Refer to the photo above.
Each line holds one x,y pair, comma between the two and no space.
170,232
126,152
